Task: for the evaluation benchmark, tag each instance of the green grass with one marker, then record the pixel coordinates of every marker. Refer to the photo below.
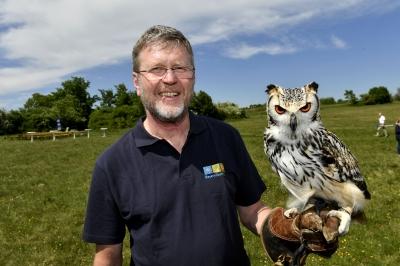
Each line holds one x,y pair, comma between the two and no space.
44,185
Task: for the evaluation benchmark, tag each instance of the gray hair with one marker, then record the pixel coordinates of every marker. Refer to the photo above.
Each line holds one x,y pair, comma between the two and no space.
159,34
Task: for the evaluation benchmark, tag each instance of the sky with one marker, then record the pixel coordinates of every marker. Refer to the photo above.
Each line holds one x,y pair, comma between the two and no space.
240,46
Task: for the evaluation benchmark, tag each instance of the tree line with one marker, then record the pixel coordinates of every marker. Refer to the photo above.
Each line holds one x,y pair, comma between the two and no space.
375,95
75,108
73,105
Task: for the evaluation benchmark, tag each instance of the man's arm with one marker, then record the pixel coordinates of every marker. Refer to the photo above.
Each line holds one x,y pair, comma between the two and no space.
108,255
253,216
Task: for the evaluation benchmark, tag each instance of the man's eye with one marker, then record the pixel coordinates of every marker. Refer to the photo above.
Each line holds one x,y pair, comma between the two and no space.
157,70
179,69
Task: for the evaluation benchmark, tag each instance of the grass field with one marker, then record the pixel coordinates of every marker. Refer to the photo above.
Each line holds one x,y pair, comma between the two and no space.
44,185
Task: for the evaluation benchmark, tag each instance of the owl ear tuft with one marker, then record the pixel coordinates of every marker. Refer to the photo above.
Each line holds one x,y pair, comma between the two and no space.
313,86
271,88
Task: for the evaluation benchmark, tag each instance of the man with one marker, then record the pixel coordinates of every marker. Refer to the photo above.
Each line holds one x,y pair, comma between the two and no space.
397,135
381,125
177,181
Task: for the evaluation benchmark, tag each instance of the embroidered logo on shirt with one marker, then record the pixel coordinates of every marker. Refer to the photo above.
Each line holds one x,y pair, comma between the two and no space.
214,170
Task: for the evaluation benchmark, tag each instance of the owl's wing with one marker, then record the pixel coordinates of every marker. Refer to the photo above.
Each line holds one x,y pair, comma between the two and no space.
338,161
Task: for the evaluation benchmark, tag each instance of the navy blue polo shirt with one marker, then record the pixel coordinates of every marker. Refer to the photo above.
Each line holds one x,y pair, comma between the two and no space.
180,209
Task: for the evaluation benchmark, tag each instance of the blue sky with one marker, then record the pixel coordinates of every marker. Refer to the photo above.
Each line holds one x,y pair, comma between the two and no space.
240,46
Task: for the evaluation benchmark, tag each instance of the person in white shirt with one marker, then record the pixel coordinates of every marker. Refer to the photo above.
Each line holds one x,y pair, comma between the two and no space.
381,125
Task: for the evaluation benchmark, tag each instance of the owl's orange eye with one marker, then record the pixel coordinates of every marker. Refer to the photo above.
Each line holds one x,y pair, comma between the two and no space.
279,109
306,108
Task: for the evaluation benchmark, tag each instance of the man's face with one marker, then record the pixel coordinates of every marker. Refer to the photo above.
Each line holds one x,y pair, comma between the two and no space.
166,99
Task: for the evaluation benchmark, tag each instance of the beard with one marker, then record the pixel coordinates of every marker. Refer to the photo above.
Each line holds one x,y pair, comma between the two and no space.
169,114
163,112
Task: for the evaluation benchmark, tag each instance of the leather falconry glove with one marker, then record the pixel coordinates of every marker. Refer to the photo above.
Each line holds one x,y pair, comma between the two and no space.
288,241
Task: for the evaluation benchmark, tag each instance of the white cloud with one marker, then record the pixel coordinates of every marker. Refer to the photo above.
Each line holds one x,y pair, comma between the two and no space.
47,40
338,43
28,77
243,50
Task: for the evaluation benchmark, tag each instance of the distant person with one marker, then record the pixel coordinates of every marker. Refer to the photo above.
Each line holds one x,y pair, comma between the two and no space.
381,125
397,133
179,182
58,124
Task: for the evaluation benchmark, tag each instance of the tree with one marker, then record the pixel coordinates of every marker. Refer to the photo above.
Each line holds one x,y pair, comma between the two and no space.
15,121
71,103
202,104
38,101
119,110
138,103
39,119
350,97
378,95
107,98
69,111
78,88
3,122
37,113
122,96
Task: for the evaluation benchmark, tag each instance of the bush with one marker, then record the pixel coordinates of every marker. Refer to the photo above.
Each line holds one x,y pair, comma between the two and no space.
230,110
119,117
101,118
125,116
329,100
39,119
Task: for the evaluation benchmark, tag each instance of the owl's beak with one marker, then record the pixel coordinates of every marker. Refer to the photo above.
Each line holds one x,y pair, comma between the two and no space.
293,122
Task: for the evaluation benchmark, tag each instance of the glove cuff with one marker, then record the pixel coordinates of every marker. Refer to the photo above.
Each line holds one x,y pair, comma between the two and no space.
280,237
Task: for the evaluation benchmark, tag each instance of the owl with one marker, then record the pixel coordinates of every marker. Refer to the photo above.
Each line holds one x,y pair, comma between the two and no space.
312,163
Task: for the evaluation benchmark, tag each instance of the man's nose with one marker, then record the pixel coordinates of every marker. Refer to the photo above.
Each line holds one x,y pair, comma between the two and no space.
170,76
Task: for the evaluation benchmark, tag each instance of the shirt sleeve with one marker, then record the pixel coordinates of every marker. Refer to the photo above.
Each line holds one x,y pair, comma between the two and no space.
250,185
103,222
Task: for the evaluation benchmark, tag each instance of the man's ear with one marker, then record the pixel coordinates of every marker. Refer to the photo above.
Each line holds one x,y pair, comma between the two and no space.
136,83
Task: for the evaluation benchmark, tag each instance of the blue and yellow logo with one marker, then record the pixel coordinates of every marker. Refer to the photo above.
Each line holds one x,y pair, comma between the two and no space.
214,170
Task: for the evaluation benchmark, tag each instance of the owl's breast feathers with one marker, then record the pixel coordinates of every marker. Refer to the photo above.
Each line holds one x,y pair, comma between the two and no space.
316,161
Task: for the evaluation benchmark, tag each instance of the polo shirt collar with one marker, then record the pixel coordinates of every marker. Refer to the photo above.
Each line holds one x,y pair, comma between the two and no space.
143,138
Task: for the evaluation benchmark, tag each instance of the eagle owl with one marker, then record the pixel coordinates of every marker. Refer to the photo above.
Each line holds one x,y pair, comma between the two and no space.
311,162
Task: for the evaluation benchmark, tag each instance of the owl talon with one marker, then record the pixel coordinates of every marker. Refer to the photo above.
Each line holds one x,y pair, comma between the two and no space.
344,218
290,213
330,229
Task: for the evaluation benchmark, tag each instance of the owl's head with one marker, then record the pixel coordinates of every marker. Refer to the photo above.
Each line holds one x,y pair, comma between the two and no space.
292,111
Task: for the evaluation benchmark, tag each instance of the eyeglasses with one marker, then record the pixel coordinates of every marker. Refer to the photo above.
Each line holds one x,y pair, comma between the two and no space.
156,73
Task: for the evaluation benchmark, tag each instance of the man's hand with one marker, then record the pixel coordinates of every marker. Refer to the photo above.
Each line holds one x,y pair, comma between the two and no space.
290,239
